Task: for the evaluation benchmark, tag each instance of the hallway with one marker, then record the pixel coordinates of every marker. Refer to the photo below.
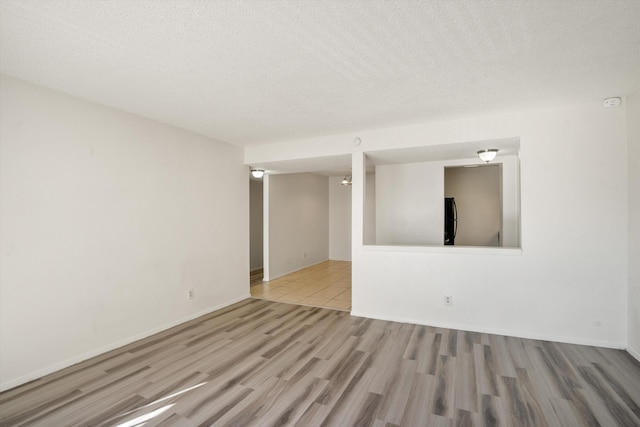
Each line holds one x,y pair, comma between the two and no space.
326,285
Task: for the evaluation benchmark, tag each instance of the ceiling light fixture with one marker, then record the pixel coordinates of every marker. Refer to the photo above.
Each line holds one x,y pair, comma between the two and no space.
346,180
611,102
488,155
257,173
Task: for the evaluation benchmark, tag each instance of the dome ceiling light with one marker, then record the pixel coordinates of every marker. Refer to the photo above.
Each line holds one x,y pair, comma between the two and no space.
488,155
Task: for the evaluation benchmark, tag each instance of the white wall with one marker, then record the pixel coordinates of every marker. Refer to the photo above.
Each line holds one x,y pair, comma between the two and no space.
633,135
255,223
106,220
409,204
298,222
569,281
339,220
510,201
369,210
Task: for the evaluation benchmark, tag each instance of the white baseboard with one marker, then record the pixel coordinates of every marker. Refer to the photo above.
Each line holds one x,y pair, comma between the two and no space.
634,353
93,353
496,331
293,271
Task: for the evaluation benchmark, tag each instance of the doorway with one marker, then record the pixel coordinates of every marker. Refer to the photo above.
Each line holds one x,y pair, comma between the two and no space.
256,257
307,240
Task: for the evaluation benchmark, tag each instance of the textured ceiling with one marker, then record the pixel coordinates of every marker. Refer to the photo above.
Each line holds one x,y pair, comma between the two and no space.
251,72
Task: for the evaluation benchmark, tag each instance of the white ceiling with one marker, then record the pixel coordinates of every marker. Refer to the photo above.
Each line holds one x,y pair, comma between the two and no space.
252,72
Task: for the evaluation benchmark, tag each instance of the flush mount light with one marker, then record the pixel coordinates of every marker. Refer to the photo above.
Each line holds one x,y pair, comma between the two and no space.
611,102
488,155
346,180
257,173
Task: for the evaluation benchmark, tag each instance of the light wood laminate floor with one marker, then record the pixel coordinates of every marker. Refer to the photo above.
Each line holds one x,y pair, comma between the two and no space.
263,363
326,285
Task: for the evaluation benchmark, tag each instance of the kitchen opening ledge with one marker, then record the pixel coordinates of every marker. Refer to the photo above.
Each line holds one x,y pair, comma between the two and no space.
467,250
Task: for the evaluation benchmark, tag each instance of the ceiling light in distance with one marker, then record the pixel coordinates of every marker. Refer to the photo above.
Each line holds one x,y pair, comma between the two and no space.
488,155
611,102
346,180
257,173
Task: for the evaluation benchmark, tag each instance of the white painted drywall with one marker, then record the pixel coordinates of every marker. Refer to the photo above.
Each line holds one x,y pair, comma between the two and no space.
510,201
478,203
266,257
339,220
409,204
633,135
369,210
568,283
255,223
298,222
106,220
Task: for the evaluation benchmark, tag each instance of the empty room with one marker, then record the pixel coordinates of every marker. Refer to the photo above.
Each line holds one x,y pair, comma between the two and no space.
319,213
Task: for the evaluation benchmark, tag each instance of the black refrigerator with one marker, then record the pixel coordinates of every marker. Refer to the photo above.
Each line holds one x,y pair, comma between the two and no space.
450,221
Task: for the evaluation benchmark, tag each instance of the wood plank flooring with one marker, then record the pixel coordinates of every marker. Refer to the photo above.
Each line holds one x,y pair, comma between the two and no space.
263,363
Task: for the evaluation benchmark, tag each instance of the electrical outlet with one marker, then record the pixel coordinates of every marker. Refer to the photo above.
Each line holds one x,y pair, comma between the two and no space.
191,294
448,300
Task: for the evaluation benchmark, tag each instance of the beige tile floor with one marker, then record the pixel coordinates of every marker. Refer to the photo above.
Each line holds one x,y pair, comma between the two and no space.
327,285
